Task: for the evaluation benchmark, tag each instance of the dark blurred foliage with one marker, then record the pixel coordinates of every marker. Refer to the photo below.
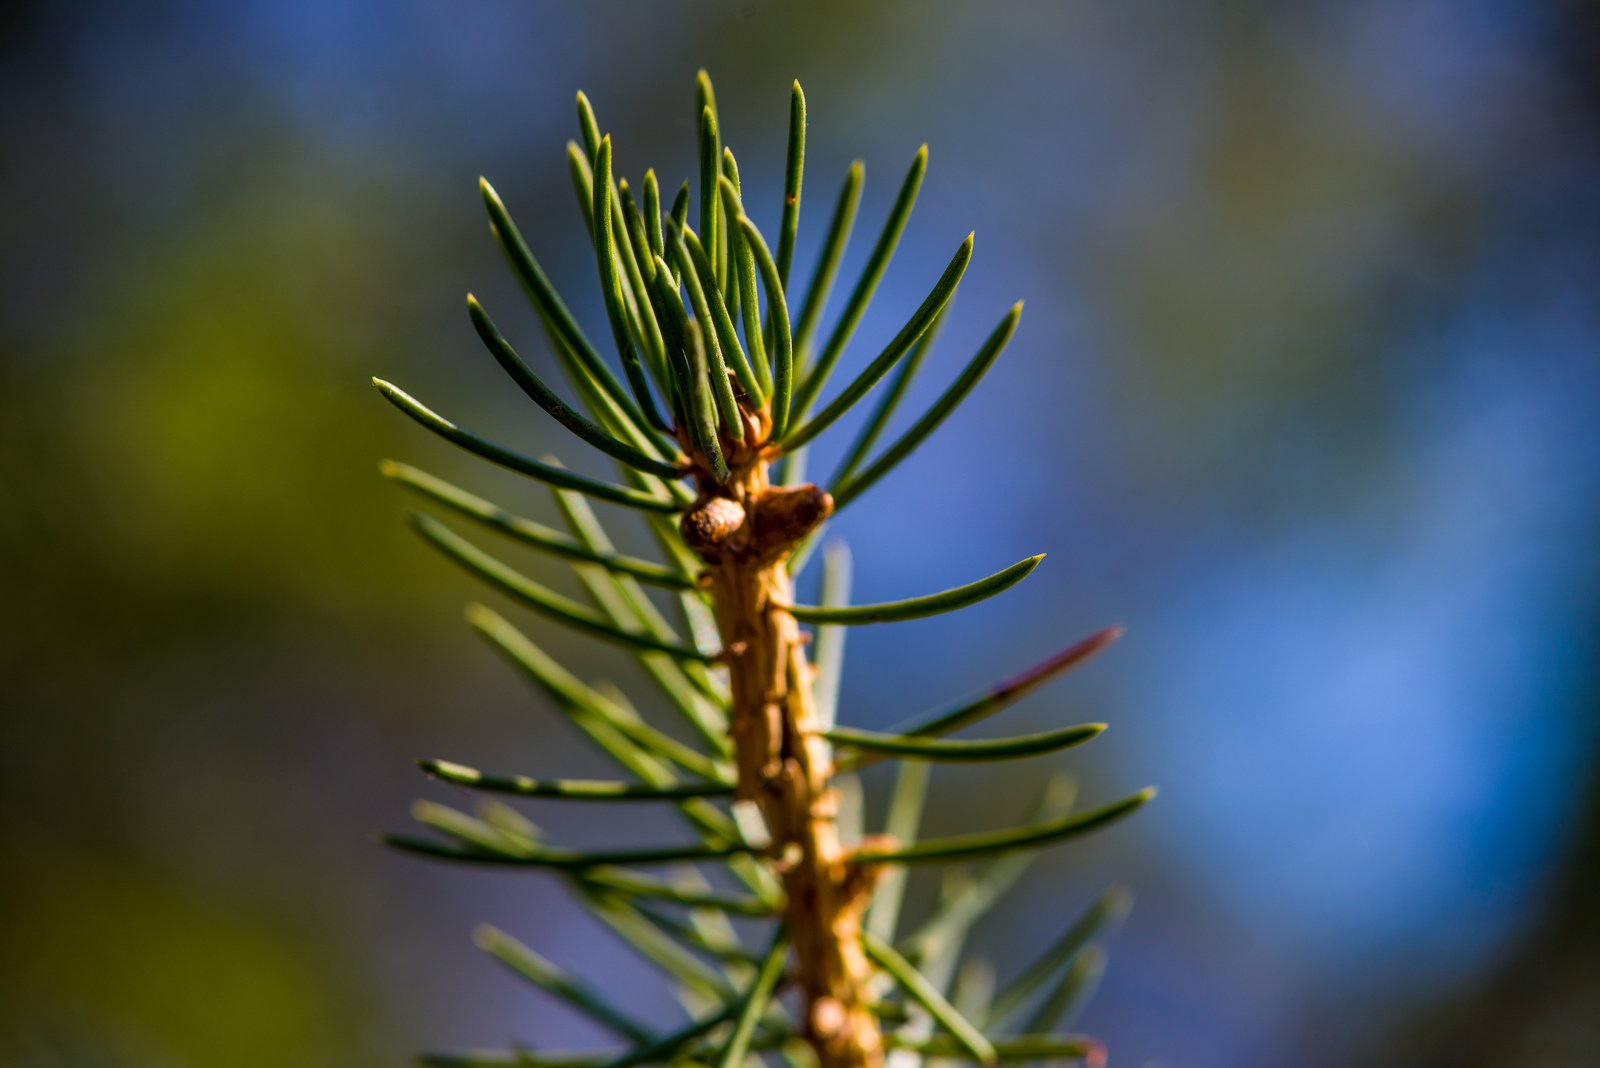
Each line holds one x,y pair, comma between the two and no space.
1305,393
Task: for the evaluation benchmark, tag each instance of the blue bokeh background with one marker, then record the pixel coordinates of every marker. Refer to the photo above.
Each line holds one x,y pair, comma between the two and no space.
1305,394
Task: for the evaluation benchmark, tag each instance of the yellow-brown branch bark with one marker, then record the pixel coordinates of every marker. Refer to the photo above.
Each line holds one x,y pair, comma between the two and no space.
744,530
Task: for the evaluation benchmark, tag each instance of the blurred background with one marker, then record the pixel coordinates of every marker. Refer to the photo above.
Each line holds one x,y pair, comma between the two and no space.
1305,394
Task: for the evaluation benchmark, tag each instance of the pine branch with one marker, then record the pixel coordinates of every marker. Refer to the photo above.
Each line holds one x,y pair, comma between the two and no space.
706,406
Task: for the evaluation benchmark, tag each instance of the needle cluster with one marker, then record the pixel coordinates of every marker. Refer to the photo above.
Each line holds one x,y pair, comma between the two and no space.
776,917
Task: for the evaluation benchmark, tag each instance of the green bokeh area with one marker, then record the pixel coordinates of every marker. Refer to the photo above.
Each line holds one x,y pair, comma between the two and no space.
204,572
114,966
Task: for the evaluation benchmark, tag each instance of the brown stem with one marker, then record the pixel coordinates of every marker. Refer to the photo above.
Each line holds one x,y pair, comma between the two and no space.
744,530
